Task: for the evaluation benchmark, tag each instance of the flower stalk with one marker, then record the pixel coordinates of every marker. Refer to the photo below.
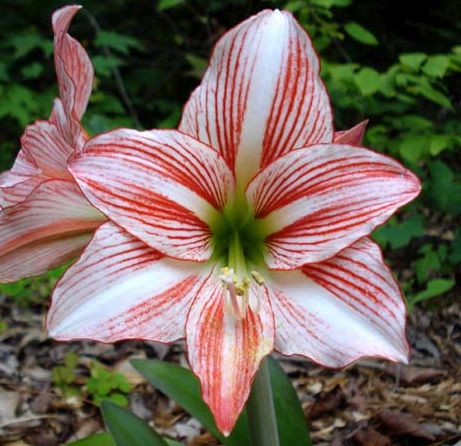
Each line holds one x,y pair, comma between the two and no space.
261,410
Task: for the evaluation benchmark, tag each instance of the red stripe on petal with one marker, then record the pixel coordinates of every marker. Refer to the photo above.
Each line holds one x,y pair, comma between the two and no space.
261,96
315,201
340,310
164,187
122,289
224,352
55,208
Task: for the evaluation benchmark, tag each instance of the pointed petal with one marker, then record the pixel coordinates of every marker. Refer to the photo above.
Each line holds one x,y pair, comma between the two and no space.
353,136
17,183
337,311
72,64
18,192
261,96
161,186
43,142
122,289
55,209
319,200
224,352
43,156
62,17
39,257
24,167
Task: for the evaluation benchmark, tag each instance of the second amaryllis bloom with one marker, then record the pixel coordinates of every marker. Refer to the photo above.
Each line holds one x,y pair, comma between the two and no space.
246,230
45,220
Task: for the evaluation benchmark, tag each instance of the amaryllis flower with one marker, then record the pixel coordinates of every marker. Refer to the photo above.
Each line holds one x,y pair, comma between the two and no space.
45,220
246,230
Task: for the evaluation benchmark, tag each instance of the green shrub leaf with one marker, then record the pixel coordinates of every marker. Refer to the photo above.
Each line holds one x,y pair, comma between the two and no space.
361,34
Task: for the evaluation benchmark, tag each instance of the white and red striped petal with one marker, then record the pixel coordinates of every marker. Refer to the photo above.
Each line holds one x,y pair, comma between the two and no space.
340,310
36,258
55,209
73,66
18,192
225,352
24,167
62,17
261,96
353,136
43,156
316,201
122,289
163,187
16,184
43,142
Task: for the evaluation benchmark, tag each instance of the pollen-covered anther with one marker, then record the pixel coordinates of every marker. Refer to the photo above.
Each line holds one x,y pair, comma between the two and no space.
237,292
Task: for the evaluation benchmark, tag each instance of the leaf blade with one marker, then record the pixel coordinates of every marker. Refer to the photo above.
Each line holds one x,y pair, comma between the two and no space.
360,34
182,386
292,426
127,429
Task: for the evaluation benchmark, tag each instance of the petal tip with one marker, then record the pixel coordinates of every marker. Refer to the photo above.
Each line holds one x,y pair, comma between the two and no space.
62,17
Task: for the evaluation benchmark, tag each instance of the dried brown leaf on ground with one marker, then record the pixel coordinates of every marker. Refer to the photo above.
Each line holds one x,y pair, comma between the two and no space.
343,408
400,424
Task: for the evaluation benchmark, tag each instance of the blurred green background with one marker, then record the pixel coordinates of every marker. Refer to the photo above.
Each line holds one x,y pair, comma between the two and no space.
398,68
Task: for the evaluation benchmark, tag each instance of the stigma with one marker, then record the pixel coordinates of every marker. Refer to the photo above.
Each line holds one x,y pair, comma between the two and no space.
239,294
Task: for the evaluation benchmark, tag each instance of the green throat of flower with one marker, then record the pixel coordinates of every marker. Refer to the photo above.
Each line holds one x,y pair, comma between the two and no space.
238,247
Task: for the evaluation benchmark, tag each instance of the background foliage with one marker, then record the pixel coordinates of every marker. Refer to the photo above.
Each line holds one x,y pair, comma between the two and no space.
400,70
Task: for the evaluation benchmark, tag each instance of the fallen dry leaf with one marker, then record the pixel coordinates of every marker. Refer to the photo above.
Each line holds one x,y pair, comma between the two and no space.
370,437
401,424
325,404
413,376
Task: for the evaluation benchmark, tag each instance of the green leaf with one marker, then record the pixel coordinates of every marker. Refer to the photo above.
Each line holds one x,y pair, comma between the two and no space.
431,261
435,287
127,429
104,65
198,64
292,426
413,60
25,42
331,3
414,147
182,386
95,440
399,235
107,440
438,144
436,96
445,188
163,5
368,81
4,77
172,442
436,66
361,34
117,42
32,71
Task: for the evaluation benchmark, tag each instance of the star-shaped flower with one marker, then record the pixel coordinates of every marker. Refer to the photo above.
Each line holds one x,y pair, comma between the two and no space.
246,230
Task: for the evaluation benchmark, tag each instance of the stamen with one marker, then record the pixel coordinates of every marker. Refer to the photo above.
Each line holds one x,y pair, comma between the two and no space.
237,292
258,278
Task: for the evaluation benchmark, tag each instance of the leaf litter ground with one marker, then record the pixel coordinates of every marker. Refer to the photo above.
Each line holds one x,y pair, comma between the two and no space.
371,403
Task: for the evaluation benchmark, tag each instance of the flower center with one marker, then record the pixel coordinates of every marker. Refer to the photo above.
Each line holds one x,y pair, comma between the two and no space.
238,246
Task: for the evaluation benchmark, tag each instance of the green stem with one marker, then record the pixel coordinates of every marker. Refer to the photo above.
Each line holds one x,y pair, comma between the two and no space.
261,411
